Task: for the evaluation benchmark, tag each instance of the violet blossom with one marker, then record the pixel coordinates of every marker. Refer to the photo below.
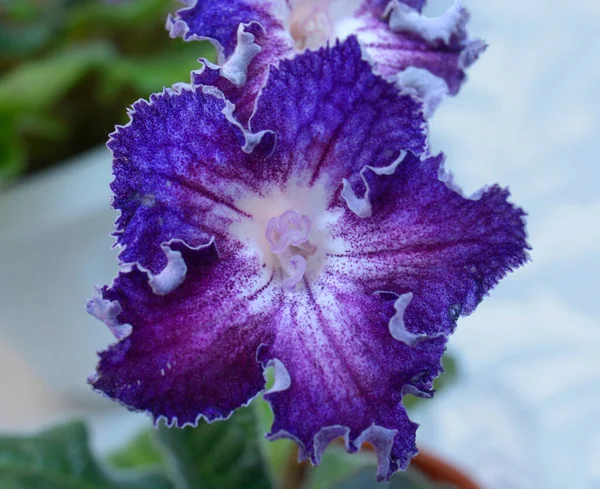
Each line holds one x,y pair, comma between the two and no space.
427,56
321,240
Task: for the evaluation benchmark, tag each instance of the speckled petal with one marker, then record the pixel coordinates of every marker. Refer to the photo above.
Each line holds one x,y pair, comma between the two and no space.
348,374
218,21
415,233
394,33
190,353
333,116
179,167
271,48
250,35
404,38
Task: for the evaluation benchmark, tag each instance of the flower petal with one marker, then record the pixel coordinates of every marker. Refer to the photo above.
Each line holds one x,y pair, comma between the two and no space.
424,85
333,116
347,374
179,167
412,231
192,352
408,39
249,36
242,92
218,21
361,327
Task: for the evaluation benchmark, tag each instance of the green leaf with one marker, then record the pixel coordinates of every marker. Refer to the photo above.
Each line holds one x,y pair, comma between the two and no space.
219,455
411,479
100,16
12,153
19,41
60,458
35,85
151,73
12,161
277,453
141,452
338,465
19,9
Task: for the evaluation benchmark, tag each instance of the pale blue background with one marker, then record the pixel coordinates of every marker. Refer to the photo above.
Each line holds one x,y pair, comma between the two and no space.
526,412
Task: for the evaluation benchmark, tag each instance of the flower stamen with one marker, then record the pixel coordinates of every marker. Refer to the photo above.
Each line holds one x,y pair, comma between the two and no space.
290,228
287,235
299,264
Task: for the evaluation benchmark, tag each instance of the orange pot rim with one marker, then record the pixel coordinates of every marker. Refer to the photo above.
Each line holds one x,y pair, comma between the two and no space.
436,469
439,470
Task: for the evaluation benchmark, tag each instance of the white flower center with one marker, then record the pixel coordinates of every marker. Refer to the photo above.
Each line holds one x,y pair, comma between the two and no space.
289,232
311,24
288,237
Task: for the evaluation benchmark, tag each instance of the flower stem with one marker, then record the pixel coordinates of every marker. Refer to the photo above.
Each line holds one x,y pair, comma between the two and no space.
295,472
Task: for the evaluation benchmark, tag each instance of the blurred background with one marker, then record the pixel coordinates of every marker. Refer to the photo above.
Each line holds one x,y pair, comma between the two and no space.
69,67
522,412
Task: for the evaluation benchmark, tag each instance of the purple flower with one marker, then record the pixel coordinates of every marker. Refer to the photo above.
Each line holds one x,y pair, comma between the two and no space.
427,56
324,243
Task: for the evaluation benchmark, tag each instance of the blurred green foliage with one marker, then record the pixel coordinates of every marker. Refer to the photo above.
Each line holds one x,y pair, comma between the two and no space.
220,455
60,458
230,455
68,69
